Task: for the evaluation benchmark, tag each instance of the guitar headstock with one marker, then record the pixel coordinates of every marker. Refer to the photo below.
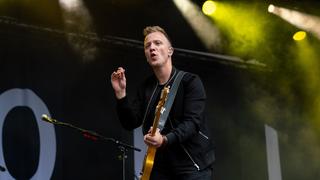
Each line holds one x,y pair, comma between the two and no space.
160,108
164,95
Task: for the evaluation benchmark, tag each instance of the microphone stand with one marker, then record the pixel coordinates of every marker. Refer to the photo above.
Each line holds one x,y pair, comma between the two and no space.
95,136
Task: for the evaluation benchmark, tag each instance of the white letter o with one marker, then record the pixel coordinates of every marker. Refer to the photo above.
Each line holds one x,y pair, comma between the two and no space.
25,97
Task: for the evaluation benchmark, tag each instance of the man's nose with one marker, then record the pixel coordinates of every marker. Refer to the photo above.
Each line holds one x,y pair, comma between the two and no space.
152,46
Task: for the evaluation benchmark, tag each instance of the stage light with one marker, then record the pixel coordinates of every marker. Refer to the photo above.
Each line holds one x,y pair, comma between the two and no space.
202,26
271,8
300,35
301,20
209,7
70,4
77,18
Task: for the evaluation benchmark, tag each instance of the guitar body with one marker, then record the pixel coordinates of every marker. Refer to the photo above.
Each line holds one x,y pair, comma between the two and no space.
151,151
148,163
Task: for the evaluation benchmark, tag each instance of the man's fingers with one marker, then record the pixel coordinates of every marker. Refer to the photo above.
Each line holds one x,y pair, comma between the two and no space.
121,69
117,74
152,143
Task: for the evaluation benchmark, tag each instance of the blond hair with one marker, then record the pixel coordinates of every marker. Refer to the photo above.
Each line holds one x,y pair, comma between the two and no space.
151,29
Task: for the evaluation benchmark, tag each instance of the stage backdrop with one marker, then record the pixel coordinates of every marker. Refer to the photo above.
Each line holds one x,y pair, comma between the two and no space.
256,130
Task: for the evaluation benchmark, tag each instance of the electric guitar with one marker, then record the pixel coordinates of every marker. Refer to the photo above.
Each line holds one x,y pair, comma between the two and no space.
151,151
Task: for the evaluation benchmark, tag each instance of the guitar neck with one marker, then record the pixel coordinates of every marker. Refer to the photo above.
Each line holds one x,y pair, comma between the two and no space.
156,120
159,109
148,161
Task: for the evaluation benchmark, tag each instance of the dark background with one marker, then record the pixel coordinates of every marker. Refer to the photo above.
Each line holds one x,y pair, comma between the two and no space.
39,51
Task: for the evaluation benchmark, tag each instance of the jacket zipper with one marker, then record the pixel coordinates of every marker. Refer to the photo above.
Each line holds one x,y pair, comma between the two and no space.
194,163
186,151
203,135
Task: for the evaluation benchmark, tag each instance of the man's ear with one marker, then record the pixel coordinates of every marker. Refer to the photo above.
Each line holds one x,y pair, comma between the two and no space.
170,51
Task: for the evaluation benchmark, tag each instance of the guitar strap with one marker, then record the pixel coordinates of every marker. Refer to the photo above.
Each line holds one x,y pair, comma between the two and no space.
168,104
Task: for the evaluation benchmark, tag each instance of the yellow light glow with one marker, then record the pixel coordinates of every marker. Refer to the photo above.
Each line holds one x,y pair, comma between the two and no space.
209,7
300,35
244,32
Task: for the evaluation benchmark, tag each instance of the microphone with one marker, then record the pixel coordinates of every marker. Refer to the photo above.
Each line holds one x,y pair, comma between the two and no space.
48,119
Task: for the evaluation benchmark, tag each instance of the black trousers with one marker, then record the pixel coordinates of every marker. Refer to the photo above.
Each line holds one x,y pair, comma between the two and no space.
159,174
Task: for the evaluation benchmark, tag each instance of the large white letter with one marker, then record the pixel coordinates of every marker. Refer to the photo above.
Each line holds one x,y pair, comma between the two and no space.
273,155
25,97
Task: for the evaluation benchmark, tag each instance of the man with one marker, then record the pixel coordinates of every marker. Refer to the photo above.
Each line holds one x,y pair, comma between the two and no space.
184,149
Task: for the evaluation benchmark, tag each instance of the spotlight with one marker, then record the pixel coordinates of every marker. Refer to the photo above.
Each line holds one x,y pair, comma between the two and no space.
300,35
271,8
208,33
209,7
307,22
69,4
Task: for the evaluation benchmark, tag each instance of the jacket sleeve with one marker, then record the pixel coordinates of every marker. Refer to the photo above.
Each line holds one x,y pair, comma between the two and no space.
193,111
130,112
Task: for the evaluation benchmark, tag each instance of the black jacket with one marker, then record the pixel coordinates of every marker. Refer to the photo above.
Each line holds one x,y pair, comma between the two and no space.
189,144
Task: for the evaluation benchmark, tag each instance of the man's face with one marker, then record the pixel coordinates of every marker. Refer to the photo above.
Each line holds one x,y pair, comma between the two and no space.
157,49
